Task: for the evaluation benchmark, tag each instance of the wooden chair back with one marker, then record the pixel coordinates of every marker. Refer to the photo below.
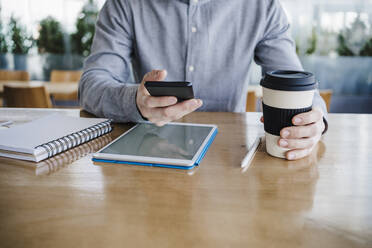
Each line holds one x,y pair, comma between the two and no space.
65,76
58,76
26,96
327,96
6,75
251,101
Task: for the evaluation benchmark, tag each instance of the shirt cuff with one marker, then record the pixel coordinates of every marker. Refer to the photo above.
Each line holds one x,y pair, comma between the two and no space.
132,110
143,118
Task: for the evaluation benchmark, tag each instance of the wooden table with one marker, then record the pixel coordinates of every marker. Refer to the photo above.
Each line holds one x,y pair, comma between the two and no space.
66,88
324,200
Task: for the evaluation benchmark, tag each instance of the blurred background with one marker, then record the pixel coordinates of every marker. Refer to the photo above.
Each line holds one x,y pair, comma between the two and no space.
334,40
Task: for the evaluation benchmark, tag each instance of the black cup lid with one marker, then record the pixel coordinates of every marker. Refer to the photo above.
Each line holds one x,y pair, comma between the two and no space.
289,80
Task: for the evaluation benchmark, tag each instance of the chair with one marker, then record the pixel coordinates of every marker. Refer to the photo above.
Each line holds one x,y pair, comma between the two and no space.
6,75
58,76
327,96
65,76
251,101
26,96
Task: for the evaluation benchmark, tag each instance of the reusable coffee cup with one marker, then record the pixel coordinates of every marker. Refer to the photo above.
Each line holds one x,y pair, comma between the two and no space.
285,94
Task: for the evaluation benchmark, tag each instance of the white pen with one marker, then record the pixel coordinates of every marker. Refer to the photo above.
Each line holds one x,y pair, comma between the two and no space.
252,150
6,123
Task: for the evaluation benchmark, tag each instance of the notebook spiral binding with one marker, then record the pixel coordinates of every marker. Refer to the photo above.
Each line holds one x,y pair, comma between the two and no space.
67,142
65,159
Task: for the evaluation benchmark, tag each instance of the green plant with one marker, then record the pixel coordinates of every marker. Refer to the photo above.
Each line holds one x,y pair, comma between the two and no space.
21,41
82,39
3,42
297,42
50,37
313,42
343,49
367,49
4,47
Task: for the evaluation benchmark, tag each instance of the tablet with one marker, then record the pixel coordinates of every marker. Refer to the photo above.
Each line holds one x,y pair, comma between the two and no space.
175,145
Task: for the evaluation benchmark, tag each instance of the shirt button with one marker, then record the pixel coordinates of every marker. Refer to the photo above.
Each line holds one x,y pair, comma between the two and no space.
193,29
191,68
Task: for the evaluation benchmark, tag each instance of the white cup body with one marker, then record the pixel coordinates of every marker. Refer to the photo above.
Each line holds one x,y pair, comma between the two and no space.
284,100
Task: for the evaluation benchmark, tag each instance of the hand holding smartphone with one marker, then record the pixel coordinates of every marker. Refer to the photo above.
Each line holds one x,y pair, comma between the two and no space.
162,102
181,90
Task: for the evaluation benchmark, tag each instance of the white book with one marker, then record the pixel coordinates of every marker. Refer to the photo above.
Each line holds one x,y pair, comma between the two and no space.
50,135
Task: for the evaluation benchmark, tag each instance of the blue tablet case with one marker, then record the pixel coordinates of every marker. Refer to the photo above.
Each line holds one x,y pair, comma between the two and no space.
197,162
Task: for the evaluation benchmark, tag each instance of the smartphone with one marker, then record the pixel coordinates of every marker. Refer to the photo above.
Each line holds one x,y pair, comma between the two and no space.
182,90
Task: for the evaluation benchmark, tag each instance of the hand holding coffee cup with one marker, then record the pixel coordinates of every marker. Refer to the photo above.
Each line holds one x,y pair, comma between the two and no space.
292,126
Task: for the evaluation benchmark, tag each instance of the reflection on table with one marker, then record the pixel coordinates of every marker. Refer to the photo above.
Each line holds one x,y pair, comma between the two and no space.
58,162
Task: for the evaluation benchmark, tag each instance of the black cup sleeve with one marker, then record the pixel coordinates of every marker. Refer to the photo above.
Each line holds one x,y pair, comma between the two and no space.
277,118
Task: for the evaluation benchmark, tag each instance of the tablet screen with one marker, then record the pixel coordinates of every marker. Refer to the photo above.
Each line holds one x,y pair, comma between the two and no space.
170,141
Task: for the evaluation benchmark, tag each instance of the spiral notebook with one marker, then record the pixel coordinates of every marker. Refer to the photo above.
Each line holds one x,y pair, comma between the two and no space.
50,135
59,161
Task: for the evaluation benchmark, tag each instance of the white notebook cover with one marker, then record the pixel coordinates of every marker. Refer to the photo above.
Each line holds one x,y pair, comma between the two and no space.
25,137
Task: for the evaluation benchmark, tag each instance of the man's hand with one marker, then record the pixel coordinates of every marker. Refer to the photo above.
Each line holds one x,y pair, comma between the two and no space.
161,110
304,136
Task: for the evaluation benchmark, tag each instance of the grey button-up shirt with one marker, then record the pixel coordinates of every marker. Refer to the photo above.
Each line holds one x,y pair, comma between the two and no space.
210,43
